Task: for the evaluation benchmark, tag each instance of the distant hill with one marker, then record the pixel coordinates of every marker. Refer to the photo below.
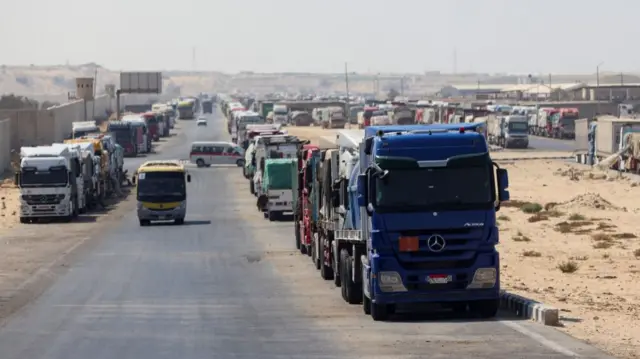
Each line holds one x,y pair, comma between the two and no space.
52,83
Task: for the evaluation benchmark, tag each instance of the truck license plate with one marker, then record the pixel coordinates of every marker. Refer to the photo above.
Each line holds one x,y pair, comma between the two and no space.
439,279
162,217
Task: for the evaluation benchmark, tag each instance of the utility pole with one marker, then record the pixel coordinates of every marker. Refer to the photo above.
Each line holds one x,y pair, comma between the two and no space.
193,59
455,60
346,81
95,84
551,90
621,79
401,86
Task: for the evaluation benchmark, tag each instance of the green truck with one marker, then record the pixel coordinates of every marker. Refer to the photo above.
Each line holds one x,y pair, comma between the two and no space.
275,197
265,107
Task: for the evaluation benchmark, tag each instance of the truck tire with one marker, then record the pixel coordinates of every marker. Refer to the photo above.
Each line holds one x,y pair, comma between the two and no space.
326,272
366,305
485,309
252,188
352,292
297,230
315,252
379,312
272,216
24,220
179,221
144,222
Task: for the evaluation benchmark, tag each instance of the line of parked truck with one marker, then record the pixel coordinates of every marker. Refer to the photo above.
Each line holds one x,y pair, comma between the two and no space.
65,179
394,215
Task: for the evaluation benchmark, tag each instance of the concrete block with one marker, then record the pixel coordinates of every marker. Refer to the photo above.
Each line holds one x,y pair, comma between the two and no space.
529,309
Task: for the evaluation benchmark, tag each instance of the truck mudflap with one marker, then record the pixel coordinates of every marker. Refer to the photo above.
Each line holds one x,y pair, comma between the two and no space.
392,284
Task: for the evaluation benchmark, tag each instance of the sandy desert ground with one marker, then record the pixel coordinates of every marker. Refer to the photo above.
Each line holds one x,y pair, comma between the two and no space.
569,239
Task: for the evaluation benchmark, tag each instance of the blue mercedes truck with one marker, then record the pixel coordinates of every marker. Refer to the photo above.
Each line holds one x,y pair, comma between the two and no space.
421,227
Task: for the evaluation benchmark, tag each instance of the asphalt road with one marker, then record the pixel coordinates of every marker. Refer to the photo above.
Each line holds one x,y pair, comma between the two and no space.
229,284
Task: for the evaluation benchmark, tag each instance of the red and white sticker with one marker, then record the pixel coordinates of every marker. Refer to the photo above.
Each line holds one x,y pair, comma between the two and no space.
439,278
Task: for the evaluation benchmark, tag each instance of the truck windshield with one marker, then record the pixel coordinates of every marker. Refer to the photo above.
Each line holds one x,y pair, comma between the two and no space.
407,190
280,113
54,177
122,135
161,187
518,127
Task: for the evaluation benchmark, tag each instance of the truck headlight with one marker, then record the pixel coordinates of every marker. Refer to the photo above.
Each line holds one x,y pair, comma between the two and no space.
391,282
483,278
390,278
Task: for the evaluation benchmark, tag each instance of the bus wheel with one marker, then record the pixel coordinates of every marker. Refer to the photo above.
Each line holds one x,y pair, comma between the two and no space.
200,162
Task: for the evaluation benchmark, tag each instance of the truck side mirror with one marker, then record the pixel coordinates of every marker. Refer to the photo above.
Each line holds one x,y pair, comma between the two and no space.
134,178
503,185
363,193
188,178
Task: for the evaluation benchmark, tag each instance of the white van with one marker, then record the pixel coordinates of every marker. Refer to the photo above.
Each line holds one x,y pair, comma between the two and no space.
207,153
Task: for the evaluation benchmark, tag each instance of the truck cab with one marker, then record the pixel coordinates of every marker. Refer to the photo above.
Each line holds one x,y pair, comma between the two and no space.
278,146
125,135
48,182
83,128
421,227
280,114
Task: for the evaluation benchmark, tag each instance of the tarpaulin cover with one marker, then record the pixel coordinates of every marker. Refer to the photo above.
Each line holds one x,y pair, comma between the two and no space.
278,173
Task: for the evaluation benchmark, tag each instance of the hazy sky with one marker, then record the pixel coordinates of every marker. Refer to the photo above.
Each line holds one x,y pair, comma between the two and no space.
526,36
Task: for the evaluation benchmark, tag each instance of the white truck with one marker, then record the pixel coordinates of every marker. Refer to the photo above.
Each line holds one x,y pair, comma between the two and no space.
276,146
280,115
243,120
83,128
48,181
508,131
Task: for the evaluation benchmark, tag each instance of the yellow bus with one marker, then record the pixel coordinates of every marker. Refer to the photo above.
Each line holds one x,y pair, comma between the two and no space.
161,192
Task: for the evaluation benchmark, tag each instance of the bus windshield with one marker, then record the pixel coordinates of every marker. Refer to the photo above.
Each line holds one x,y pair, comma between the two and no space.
161,187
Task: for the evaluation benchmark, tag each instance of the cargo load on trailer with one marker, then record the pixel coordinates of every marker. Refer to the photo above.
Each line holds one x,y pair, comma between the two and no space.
276,199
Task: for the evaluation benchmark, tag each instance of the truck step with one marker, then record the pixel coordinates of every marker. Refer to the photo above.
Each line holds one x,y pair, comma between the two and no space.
349,235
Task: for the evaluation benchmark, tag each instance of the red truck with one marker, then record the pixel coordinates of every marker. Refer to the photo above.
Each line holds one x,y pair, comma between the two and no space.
304,214
153,124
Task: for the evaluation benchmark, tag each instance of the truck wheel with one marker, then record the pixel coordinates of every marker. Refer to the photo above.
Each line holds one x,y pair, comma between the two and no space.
354,290
485,309
326,272
200,163
379,312
252,188
272,216
343,288
24,220
366,305
144,222
179,221
315,257
297,231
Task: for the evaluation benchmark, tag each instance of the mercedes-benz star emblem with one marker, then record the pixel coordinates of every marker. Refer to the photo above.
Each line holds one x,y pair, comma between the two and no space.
436,243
